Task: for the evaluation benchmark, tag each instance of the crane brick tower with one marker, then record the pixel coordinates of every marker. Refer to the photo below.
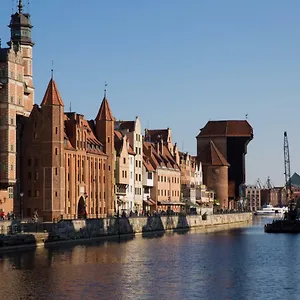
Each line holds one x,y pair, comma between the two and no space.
16,99
221,147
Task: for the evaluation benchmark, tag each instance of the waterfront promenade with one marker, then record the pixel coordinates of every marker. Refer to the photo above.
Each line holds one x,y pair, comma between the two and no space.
15,234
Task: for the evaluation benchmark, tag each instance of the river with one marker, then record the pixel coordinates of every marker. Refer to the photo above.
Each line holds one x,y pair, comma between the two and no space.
236,263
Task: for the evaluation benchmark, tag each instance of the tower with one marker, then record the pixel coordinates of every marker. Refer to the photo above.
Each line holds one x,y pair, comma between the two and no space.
52,153
20,29
105,124
16,99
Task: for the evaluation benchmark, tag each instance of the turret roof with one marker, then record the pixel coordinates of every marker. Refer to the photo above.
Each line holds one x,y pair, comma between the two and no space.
52,96
104,113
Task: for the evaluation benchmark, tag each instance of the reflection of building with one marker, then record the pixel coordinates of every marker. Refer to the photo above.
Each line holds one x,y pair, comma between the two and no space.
67,161
16,100
221,147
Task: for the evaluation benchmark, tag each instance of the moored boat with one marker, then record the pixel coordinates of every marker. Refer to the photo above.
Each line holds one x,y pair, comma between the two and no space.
270,210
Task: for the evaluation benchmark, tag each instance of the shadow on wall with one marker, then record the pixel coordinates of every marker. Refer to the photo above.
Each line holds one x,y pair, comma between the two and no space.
182,225
154,223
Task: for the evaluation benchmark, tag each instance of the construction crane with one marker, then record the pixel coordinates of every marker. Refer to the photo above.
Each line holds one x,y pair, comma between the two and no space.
259,184
269,185
287,170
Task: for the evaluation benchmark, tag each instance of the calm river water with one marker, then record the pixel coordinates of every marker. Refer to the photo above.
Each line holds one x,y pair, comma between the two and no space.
242,263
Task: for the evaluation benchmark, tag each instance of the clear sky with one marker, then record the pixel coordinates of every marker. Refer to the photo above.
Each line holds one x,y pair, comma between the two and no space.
177,64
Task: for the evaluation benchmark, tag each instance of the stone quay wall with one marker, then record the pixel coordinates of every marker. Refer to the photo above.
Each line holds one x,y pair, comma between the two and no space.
13,233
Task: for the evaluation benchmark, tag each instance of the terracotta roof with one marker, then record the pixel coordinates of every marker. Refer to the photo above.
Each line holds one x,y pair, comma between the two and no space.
147,164
119,143
227,128
157,159
52,96
104,113
210,155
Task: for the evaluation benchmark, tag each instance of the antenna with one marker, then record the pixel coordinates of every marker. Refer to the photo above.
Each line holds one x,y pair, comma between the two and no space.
105,86
52,69
246,116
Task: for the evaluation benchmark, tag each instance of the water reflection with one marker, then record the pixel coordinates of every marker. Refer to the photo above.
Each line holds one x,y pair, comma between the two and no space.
239,263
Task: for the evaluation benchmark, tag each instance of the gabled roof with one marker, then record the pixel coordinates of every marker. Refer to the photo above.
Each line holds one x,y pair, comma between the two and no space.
119,143
158,159
52,96
227,128
130,125
295,180
155,135
210,155
104,113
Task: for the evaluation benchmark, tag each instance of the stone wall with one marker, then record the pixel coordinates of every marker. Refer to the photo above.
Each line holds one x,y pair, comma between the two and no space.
12,233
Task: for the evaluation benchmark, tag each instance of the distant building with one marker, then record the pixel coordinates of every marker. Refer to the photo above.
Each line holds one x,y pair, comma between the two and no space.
221,147
253,197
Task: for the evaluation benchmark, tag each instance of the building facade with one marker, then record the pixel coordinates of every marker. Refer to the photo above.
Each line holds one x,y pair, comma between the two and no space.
133,130
16,100
67,166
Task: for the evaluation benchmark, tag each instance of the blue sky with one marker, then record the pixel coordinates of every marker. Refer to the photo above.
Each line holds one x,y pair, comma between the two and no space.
177,64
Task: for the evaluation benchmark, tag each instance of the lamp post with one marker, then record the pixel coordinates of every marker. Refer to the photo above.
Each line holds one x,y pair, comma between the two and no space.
21,205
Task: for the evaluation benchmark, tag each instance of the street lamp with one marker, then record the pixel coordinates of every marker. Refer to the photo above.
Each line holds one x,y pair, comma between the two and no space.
21,205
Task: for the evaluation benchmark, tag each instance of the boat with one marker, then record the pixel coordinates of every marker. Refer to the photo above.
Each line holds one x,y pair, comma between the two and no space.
270,210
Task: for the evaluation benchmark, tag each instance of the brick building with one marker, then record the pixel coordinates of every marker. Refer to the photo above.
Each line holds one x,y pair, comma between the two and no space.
67,161
16,100
221,147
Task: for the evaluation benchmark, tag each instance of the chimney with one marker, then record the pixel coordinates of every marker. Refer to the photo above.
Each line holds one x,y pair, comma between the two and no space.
162,147
157,147
150,150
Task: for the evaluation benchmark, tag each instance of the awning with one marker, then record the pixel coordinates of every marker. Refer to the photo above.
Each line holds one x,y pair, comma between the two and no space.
149,202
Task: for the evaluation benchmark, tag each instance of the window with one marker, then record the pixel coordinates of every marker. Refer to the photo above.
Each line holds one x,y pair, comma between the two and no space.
36,175
11,121
56,130
55,194
29,175
56,151
140,165
19,101
12,148
10,192
11,99
124,160
149,175
11,167
108,139
29,193
29,162
35,135
140,177
36,193
55,171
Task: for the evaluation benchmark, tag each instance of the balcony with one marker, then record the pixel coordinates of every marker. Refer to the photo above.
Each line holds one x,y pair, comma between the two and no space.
120,189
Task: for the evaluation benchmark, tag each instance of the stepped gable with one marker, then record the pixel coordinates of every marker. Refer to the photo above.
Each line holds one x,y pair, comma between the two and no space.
52,96
104,113
210,155
227,128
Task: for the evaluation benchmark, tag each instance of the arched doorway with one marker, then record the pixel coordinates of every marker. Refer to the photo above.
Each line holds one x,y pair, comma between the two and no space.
81,208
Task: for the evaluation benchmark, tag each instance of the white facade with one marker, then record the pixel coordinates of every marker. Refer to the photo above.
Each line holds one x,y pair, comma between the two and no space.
130,188
198,175
148,182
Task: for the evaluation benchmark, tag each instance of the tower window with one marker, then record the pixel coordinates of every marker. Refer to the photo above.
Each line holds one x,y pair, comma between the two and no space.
56,130
19,101
56,151
11,121
12,99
